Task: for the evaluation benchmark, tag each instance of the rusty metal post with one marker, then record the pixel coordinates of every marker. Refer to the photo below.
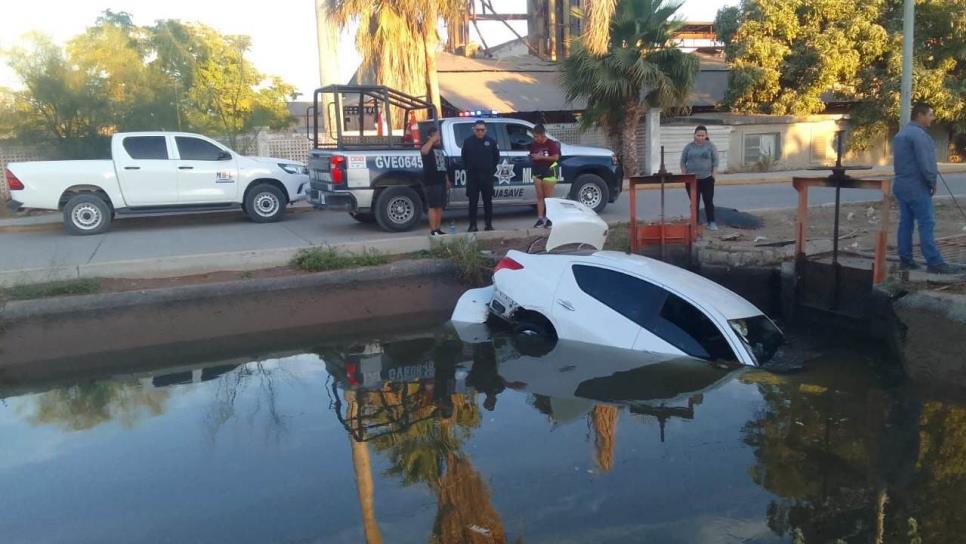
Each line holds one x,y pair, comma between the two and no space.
882,237
633,225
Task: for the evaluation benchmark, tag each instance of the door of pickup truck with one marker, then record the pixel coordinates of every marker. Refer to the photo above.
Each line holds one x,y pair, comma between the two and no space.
145,171
206,172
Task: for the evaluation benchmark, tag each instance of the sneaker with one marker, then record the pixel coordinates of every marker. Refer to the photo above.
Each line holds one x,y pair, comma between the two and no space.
538,224
438,232
472,228
712,226
434,233
488,227
943,269
908,265
547,224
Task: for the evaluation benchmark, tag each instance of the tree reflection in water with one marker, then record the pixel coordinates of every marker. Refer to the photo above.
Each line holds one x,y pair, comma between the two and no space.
85,406
858,463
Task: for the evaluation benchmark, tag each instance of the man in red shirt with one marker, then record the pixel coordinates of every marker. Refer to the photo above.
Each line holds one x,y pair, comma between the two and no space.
544,153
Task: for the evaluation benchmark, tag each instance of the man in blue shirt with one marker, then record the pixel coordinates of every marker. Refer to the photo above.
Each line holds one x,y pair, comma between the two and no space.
914,161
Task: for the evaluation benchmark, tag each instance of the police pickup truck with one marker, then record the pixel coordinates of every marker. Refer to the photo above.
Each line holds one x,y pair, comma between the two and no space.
381,184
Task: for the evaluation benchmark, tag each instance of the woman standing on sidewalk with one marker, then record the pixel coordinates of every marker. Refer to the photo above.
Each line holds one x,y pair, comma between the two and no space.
700,158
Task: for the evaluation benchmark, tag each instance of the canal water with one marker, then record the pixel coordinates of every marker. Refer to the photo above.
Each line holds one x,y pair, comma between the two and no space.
429,437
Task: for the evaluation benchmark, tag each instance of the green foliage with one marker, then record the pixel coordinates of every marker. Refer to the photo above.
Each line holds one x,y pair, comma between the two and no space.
640,69
466,254
119,76
320,259
85,406
791,56
52,289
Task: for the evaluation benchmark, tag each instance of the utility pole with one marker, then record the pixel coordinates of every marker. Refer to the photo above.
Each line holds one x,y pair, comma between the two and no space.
908,31
328,42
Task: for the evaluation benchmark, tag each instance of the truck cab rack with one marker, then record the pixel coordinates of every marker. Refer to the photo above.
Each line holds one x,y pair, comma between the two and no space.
361,117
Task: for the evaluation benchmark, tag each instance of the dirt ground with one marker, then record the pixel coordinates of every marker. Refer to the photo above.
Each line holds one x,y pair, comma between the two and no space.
858,225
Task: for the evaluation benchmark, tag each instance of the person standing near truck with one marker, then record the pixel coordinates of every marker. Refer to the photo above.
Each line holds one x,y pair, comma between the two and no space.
544,153
435,180
480,156
700,158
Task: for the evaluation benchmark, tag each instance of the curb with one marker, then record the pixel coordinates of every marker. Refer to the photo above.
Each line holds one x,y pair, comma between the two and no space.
239,261
49,307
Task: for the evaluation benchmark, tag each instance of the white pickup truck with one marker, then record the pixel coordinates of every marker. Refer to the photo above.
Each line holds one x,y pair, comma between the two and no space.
157,172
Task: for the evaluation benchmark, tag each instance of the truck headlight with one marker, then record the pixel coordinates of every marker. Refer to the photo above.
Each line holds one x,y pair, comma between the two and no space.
294,169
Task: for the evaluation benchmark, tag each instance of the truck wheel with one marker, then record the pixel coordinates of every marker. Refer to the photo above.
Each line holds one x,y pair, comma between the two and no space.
591,191
264,203
87,214
363,217
398,208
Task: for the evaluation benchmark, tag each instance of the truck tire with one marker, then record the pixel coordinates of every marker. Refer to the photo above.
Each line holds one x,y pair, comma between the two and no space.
87,214
264,203
398,208
591,191
363,217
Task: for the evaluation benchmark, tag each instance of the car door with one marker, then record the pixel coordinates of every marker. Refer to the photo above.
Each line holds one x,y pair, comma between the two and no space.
514,176
461,130
207,173
599,305
145,171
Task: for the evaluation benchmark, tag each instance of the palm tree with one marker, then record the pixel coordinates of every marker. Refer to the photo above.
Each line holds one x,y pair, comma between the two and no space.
398,40
599,14
641,69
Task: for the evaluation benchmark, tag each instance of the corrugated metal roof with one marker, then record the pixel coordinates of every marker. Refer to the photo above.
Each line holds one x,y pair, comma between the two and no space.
528,84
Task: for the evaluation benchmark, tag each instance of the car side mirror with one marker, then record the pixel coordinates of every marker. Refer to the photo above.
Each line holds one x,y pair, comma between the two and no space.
224,156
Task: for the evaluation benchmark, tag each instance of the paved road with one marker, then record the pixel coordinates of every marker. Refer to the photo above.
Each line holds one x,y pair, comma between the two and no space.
164,237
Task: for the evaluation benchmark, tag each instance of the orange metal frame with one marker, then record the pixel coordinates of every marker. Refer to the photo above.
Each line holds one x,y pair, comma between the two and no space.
801,222
662,233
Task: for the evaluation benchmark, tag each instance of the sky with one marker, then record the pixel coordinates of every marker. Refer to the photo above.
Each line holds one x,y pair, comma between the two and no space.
282,31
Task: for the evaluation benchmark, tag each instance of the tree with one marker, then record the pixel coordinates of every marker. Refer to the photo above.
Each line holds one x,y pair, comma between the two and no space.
600,13
118,76
399,41
85,406
228,95
641,69
791,57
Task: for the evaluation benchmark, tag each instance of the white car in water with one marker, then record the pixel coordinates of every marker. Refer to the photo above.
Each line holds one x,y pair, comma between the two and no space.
616,299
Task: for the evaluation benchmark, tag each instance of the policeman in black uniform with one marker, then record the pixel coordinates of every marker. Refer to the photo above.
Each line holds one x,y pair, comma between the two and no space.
480,157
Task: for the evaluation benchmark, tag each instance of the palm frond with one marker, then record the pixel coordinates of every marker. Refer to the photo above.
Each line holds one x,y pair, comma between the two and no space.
599,14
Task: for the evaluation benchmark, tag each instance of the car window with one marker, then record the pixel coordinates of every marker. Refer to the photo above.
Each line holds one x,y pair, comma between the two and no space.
631,297
146,147
196,149
521,136
690,330
462,131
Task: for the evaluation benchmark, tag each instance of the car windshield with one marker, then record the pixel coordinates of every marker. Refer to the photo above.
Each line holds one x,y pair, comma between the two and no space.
760,334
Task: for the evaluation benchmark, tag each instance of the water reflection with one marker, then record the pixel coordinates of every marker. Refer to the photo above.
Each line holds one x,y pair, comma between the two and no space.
465,438
417,402
84,406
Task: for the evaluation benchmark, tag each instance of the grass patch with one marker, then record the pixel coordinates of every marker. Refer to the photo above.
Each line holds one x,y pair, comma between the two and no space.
319,259
618,238
466,254
52,289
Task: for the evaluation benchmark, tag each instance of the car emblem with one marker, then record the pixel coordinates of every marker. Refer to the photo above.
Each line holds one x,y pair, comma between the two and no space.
504,172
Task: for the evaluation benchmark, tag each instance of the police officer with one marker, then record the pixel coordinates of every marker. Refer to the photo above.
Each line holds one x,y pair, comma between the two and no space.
480,157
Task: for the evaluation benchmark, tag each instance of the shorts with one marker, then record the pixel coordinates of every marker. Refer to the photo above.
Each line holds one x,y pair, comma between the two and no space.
435,195
542,172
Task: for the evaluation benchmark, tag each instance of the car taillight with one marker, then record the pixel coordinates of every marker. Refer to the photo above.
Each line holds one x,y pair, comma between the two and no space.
337,169
13,183
507,263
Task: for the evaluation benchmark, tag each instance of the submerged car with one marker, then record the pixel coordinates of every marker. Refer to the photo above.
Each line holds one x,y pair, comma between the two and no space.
575,291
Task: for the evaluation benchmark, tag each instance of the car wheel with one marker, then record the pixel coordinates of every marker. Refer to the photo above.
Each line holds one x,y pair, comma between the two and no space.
264,203
533,336
398,208
363,217
87,214
591,191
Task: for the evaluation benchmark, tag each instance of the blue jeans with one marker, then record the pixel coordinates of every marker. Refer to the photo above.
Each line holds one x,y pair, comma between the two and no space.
913,210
